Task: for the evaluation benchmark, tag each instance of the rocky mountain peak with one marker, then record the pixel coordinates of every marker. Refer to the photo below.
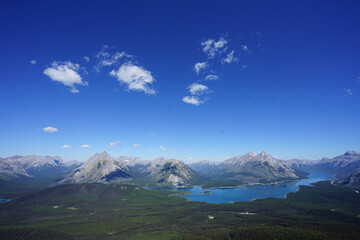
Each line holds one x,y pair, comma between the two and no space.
351,153
251,154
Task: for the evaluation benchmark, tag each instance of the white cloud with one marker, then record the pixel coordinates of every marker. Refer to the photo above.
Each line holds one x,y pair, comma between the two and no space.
66,146
211,77
230,58
67,73
162,148
212,47
245,49
200,66
86,58
136,145
135,77
192,100
348,91
150,150
112,144
197,89
85,146
50,129
105,58
33,62
174,152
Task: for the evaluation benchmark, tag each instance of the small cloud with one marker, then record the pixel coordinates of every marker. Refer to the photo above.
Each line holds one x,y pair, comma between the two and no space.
136,145
192,100
162,148
66,146
112,144
197,89
244,66
86,58
358,80
230,58
66,73
211,77
136,78
150,150
33,62
50,129
348,92
245,49
174,152
212,47
200,66
85,146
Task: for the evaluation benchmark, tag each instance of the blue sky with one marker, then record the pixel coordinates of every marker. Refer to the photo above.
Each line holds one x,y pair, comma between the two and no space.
182,79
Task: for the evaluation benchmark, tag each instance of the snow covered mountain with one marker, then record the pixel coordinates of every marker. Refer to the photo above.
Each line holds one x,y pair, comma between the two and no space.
256,168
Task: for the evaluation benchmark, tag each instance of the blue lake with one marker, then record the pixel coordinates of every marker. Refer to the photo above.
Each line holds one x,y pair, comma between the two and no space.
3,200
251,192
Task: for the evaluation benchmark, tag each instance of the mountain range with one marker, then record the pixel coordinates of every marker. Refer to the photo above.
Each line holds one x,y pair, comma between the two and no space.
103,168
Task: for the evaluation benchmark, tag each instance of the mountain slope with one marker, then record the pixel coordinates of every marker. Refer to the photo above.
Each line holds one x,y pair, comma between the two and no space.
342,165
170,172
352,181
100,168
256,168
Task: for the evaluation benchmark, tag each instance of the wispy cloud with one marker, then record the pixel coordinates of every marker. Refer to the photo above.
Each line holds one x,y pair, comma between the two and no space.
85,146
198,89
211,77
112,144
245,49
192,100
212,47
136,145
86,58
66,73
66,146
106,57
230,58
162,148
33,62
348,92
136,78
200,66
50,129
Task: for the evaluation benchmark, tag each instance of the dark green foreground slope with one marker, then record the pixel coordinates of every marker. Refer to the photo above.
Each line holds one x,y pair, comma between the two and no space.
88,211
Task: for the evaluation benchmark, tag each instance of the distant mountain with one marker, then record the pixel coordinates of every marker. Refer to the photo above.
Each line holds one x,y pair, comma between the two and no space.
352,181
300,163
134,163
204,166
342,165
34,166
256,168
100,168
170,172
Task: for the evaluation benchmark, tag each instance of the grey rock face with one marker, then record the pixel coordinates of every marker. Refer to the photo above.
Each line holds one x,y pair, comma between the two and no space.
170,171
255,168
100,168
